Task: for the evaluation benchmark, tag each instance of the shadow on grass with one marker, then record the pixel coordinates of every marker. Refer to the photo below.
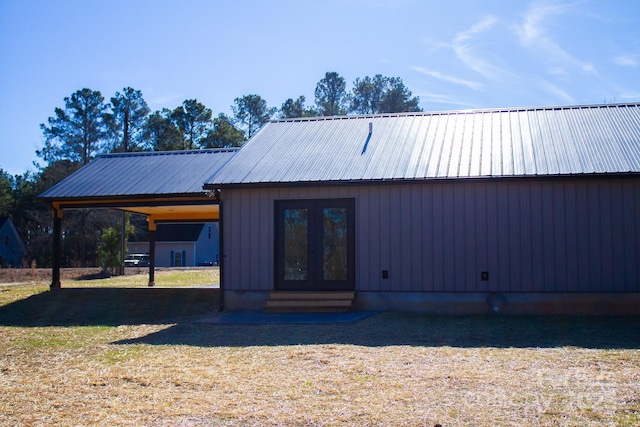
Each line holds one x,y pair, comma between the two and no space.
110,307
414,329
94,276
184,306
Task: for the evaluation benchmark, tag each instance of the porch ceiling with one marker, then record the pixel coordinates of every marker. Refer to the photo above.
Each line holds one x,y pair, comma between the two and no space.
156,209
181,212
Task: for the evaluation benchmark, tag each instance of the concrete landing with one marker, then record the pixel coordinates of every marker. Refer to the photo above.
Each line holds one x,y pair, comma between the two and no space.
259,318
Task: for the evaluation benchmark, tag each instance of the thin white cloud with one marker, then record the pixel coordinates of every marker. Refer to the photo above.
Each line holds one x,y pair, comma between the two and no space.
558,93
433,45
160,101
626,60
482,26
447,78
438,98
532,29
465,50
534,35
558,71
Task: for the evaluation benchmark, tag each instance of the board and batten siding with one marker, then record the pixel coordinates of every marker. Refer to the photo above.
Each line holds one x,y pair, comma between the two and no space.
529,235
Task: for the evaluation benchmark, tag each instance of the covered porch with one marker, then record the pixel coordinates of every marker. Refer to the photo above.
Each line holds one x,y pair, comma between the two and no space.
156,211
165,187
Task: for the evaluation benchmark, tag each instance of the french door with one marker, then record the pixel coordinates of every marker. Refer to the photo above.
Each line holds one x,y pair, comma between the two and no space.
315,245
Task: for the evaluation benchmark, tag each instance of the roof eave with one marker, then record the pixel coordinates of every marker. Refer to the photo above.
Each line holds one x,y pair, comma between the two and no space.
155,196
391,181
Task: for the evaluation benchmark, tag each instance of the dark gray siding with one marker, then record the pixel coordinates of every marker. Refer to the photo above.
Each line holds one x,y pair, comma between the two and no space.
567,235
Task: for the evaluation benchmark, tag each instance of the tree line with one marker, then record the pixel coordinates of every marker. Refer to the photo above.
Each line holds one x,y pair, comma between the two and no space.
88,126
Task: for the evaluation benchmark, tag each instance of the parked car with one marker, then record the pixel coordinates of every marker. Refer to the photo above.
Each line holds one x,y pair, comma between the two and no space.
136,260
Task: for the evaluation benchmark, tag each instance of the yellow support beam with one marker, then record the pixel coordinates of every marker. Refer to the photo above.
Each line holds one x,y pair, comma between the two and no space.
184,216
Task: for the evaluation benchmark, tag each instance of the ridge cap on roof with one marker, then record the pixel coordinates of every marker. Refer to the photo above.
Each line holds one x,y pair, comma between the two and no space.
169,153
461,111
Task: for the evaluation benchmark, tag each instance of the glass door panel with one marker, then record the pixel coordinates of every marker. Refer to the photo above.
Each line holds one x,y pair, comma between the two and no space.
315,245
334,244
296,244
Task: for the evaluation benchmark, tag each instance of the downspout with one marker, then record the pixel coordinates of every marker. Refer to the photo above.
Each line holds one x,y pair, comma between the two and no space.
221,249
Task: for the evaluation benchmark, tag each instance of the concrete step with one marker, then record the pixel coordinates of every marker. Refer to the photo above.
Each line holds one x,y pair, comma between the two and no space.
291,295
294,310
309,302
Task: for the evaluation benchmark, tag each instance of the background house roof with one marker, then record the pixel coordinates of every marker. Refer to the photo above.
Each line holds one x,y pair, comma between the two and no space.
171,173
6,224
550,141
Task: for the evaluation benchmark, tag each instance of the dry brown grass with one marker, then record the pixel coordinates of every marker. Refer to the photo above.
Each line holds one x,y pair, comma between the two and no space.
389,369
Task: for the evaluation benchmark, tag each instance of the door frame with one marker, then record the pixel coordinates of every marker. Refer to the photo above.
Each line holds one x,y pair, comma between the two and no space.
315,282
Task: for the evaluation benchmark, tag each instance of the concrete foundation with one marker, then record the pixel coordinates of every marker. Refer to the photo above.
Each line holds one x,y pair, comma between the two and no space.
244,300
506,303
593,304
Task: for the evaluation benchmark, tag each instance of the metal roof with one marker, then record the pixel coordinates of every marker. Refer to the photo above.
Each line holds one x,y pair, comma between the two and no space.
126,175
544,141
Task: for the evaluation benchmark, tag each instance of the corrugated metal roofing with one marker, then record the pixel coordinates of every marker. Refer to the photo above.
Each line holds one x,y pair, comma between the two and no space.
542,141
142,174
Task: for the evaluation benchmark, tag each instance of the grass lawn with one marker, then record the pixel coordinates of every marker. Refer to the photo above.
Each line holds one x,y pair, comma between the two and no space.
102,355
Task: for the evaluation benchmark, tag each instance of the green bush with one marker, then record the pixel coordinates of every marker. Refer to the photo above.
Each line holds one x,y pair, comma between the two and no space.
109,250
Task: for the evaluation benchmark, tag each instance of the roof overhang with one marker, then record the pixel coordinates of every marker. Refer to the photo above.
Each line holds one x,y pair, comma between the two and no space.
164,186
426,181
157,209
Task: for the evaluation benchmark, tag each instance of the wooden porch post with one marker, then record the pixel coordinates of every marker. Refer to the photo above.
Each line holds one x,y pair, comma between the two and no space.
57,240
152,252
122,241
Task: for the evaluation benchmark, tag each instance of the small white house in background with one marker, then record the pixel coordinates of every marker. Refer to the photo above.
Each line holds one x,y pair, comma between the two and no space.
12,250
181,245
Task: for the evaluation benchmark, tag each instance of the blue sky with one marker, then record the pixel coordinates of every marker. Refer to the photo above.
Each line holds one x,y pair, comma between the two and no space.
457,54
